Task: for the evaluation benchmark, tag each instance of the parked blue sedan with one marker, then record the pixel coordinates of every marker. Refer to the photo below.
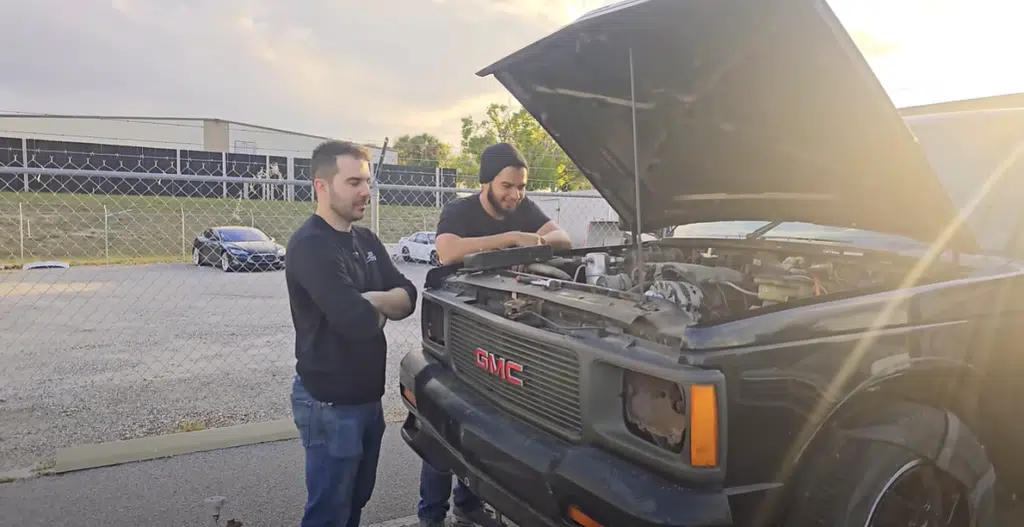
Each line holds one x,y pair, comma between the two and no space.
237,248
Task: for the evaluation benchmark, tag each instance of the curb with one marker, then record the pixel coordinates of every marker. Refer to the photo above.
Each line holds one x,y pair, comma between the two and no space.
83,457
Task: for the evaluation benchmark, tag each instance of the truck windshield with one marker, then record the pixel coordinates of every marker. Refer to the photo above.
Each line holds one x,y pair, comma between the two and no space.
966,150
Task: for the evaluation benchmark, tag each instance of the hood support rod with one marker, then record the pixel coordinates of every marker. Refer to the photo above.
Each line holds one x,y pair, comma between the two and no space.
637,239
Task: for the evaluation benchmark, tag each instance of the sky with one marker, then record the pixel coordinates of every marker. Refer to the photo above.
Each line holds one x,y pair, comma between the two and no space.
362,70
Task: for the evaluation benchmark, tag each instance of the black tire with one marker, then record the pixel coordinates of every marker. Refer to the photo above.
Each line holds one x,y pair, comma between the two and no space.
405,254
870,476
225,262
433,259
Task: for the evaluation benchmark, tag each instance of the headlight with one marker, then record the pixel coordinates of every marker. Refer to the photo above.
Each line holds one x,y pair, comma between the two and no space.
236,250
432,322
672,416
280,251
654,410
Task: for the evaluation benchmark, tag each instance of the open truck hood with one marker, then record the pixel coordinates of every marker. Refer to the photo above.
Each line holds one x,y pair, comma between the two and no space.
746,110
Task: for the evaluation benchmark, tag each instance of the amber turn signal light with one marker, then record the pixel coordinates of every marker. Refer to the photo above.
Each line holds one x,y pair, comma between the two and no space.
408,395
703,426
580,518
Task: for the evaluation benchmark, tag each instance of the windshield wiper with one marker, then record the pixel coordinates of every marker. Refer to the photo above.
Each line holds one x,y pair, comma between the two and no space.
762,230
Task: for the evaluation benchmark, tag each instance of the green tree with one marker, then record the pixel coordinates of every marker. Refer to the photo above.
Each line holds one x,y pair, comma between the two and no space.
423,150
550,168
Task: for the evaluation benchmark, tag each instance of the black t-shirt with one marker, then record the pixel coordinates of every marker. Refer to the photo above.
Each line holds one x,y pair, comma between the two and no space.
466,218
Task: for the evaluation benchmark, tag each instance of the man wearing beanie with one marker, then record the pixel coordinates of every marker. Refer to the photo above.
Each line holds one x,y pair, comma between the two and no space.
500,216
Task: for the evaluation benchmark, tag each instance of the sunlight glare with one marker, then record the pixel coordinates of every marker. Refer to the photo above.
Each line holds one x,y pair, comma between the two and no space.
924,51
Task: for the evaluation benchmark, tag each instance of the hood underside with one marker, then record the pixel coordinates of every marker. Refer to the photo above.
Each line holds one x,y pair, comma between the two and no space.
745,110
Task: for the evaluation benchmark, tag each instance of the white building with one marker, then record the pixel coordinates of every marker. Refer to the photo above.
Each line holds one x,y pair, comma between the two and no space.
212,135
589,221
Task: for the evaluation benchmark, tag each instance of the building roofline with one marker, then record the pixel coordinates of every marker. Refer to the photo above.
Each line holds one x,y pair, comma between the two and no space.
98,116
164,118
1001,101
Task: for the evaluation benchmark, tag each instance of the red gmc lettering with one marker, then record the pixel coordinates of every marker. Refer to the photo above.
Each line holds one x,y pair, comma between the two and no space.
497,366
504,369
512,370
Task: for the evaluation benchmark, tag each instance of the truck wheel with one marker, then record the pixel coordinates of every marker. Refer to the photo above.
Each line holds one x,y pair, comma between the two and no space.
918,465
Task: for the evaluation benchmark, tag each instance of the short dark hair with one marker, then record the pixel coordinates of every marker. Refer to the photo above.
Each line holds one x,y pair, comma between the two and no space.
324,161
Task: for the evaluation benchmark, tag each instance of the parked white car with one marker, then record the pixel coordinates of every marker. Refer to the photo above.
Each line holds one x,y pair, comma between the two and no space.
418,246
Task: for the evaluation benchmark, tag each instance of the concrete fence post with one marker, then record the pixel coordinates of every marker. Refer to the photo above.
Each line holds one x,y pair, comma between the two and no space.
375,208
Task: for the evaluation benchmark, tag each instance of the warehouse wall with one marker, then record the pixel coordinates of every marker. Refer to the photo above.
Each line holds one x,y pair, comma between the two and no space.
209,135
247,139
575,214
178,133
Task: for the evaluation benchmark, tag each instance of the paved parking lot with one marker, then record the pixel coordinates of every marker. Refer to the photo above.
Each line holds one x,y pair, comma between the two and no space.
93,354
263,485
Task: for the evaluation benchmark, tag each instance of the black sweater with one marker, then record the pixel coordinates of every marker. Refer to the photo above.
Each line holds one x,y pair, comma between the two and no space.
341,352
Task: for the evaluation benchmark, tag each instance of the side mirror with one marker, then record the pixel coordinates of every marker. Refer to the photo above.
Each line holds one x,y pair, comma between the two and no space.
273,239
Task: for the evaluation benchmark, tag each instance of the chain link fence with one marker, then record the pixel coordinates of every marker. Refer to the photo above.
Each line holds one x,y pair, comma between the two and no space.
131,338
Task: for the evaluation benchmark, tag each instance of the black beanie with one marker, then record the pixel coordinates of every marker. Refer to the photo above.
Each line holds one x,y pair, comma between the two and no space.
498,157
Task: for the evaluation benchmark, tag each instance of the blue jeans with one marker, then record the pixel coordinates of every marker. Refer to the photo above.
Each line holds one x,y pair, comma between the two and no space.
342,445
436,488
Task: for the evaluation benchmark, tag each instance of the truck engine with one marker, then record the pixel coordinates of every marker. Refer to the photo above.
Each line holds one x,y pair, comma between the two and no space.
710,285
675,286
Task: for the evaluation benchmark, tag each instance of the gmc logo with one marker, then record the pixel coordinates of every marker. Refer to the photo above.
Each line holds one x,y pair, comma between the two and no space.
506,370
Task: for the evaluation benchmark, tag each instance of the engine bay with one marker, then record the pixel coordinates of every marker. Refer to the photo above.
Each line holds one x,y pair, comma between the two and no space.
711,285
674,285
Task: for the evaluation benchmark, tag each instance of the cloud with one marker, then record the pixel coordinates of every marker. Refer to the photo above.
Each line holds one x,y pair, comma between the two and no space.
926,51
367,69
358,70
557,12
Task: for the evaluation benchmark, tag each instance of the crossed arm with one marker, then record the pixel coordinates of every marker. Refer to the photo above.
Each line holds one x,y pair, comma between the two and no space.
453,248
351,313
398,301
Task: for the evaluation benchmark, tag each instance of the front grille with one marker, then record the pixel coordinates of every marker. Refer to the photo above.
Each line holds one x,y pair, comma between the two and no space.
263,258
550,394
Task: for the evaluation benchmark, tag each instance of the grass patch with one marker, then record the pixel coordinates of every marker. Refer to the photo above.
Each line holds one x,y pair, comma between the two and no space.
96,229
45,466
7,480
190,426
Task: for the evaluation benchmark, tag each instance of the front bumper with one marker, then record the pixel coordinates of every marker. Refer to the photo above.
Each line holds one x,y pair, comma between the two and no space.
532,477
257,261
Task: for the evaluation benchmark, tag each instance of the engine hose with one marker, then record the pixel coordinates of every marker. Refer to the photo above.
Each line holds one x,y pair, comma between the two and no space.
548,270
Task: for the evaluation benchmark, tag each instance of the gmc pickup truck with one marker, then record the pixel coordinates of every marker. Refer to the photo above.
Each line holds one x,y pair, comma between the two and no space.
829,336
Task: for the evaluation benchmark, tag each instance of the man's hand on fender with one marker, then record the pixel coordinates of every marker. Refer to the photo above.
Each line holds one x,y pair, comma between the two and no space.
528,239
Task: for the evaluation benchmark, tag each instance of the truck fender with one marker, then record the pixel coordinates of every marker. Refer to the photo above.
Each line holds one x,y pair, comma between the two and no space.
925,422
900,381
